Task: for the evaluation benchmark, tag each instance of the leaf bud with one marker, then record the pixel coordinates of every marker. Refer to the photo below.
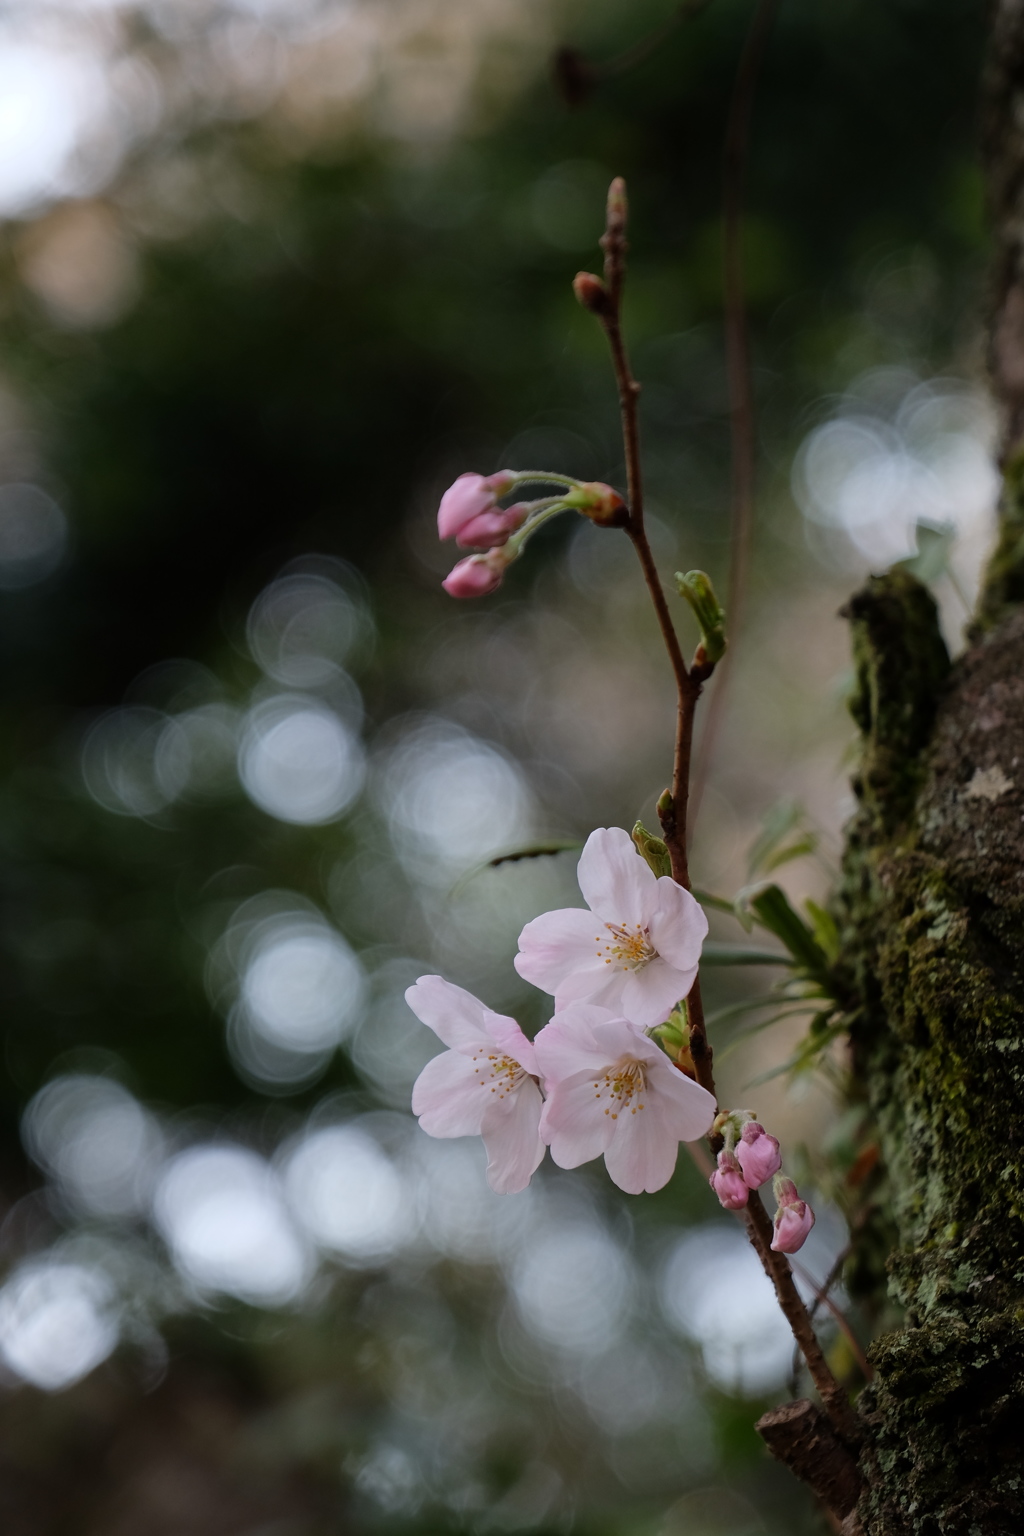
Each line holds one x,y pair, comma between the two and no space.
652,849
592,293
696,587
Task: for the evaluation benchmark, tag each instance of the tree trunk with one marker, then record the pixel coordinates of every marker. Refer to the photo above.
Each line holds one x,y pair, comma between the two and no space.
932,906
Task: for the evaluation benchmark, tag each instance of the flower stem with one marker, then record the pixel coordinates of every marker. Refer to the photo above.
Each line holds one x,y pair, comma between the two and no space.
673,806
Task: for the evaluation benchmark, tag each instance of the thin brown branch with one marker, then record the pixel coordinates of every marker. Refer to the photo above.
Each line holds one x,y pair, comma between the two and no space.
605,301
688,685
822,1297
577,75
737,347
776,1266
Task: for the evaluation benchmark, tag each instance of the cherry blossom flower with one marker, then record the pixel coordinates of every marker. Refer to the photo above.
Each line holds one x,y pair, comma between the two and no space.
610,1089
793,1219
485,1084
728,1182
636,951
758,1154
468,497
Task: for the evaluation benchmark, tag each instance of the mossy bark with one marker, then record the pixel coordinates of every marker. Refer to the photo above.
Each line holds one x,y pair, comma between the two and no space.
933,912
932,915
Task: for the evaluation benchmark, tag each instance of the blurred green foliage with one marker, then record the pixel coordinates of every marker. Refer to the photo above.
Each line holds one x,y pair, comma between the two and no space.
314,352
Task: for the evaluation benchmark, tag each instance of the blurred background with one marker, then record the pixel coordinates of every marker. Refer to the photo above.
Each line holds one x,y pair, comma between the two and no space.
272,273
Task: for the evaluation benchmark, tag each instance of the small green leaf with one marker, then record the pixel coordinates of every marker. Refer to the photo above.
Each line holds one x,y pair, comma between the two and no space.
742,954
803,846
771,906
652,849
696,587
514,856
823,925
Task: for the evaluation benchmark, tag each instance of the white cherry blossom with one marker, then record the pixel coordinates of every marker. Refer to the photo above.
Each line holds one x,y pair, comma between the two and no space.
485,1084
610,1089
636,951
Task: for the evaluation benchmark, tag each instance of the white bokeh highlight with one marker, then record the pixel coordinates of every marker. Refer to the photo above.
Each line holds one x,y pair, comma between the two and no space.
221,1212
299,761
58,1321
451,800
348,1194
97,1142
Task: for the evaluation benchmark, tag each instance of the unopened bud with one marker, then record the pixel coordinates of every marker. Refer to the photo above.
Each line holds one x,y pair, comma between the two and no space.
592,293
696,587
618,207
728,1183
652,849
468,497
476,575
757,1154
489,529
665,805
793,1219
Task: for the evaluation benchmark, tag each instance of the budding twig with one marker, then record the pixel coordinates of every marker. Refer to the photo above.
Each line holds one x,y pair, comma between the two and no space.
604,300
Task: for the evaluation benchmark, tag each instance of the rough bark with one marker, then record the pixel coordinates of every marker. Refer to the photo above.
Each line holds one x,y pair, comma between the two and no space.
932,910
933,905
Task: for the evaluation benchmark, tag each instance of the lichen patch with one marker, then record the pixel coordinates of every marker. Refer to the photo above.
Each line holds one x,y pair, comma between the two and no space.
988,784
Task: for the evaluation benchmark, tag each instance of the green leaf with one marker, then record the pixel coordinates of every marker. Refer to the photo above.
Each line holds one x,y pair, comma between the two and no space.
823,925
776,825
804,845
741,954
514,856
696,587
771,907
652,849
717,903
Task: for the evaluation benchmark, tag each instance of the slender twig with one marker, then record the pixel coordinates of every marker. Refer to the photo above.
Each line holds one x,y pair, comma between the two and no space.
822,1298
688,679
606,303
577,75
777,1268
737,347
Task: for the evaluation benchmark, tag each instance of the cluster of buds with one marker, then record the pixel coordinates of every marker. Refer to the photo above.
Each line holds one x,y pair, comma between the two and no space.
469,513
749,1159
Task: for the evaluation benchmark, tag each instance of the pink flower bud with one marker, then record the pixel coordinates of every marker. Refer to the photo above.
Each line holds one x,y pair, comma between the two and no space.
793,1219
728,1183
757,1154
468,497
488,529
476,575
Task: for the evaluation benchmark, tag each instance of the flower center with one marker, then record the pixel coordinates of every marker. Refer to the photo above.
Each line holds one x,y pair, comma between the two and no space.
501,1074
620,1085
629,949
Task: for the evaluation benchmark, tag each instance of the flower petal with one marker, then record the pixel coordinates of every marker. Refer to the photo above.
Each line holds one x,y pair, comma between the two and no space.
510,1040
512,1138
567,1046
616,882
456,1016
681,1102
557,945
678,926
649,995
574,1122
643,1152
448,1096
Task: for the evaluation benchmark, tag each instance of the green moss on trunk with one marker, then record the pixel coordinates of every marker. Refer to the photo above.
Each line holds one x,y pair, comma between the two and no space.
933,925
